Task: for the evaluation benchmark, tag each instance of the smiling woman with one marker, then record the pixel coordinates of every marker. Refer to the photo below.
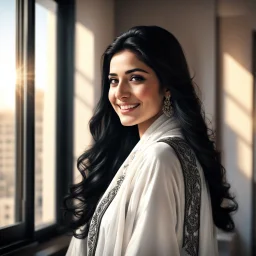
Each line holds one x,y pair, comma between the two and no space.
134,91
152,182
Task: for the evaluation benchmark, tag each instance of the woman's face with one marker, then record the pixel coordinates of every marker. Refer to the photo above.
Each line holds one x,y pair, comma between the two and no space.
134,91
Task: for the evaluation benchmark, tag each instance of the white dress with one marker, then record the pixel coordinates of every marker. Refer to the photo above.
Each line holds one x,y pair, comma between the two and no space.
157,204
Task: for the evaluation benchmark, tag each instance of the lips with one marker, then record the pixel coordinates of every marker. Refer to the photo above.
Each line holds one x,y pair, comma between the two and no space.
127,107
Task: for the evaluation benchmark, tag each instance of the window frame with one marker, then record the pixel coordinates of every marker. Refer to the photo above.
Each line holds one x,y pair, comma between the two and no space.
253,232
23,233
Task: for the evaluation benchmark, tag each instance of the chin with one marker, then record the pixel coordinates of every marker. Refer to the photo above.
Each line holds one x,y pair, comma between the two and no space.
127,121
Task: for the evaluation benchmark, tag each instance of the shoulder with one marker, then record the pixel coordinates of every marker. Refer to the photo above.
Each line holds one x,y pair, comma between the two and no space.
160,150
163,153
161,166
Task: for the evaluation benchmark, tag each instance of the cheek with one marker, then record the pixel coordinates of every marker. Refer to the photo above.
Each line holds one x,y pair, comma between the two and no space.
144,93
110,96
147,93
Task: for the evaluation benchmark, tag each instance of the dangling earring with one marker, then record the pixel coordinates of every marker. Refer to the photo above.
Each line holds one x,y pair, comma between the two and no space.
167,107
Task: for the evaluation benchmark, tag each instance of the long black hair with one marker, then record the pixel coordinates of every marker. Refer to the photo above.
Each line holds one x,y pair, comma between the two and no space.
112,142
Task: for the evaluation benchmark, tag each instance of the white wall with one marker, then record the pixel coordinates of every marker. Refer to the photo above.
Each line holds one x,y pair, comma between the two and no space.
237,19
94,30
98,21
193,24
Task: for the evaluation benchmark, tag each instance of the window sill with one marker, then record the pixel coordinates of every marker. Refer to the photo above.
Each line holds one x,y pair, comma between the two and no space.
56,246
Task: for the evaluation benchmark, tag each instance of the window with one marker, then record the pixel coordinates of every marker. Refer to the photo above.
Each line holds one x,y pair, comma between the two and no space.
45,113
7,103
36,118
254,146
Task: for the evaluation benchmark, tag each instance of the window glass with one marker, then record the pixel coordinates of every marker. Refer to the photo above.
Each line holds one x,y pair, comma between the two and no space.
45,113
7,111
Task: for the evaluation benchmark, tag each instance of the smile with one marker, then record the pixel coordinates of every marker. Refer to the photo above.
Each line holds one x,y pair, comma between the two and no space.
128,108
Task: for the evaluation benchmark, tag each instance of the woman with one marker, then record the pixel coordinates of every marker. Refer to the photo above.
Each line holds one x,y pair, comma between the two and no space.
152,182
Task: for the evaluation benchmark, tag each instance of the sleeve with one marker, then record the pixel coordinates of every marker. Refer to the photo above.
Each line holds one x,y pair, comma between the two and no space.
77,247
157,190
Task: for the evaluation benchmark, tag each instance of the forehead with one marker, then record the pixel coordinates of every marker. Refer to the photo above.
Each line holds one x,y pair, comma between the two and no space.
125,60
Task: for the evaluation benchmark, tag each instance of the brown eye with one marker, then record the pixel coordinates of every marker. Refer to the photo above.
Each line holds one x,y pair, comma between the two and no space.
137,78
112,81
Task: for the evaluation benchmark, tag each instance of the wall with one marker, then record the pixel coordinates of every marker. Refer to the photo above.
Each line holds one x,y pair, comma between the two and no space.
98,21
94,30
194,25
192,22
236,23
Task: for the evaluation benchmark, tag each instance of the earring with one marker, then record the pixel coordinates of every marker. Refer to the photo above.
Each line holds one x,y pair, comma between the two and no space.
167,107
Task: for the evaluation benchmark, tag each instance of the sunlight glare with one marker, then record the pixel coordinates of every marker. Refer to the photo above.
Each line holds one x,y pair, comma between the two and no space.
238,91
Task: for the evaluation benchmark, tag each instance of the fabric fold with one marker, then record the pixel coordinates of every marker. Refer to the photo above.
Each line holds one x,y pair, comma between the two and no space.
142,211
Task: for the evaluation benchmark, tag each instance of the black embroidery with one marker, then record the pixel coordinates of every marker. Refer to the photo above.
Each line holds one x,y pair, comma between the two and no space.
192,184
98,214
192,200
101,209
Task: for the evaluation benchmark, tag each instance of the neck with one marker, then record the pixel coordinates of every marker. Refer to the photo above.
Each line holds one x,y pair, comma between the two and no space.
142,127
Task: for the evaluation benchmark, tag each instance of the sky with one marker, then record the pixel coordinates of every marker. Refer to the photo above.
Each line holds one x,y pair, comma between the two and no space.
8,48
7,53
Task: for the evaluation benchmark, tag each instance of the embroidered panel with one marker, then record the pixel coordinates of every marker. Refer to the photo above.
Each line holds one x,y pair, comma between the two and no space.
97,216
192,184
192,199
101,209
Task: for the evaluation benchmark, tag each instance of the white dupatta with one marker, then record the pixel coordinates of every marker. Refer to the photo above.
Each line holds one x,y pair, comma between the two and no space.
142,210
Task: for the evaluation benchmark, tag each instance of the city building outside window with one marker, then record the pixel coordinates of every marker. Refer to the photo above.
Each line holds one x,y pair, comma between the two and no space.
32,110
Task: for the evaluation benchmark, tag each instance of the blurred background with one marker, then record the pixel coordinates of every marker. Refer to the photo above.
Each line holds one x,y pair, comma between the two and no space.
50,81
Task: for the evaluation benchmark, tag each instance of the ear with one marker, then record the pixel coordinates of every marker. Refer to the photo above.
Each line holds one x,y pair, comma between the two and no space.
167,92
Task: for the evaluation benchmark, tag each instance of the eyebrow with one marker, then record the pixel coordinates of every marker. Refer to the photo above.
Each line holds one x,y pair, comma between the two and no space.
130,71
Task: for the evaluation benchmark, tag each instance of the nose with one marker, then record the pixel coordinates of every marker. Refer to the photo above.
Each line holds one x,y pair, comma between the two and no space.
122,90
